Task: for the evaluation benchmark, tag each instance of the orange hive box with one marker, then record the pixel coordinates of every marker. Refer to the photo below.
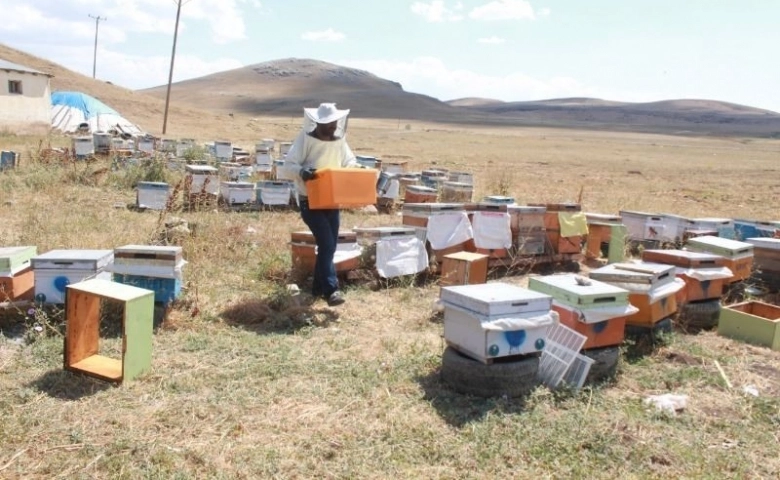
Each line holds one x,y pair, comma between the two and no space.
304,255
601,334
19,286
342,188
694,290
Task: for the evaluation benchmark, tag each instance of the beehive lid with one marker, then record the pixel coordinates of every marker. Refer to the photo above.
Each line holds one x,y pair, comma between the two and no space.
577,291
488,207
500,199
491,299
653,274
420,189
433,207
153,185
527,209
602,218
768,243
721,246
273,184
13,258
306,237
684,258
239,185
201,169
92,260
381,232
156,252
559,207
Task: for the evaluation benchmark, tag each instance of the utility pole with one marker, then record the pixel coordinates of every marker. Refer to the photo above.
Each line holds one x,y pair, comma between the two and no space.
94,57
170,73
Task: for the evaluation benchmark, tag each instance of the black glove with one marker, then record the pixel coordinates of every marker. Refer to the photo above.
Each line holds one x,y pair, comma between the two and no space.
308,174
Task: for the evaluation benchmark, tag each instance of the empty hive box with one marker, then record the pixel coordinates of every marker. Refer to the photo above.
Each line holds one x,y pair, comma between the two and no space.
342,188
464,268
492,320
152,195
753,322
82,330
595,309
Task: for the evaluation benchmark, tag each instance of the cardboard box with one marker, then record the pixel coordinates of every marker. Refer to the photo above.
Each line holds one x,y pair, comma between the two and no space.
342,188
753,322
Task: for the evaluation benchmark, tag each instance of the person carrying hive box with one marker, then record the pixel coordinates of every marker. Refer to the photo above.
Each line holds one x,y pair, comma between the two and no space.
318,153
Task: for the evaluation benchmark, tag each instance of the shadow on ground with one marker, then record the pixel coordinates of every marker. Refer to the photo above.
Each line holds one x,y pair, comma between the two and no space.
67,385
458,409
279,314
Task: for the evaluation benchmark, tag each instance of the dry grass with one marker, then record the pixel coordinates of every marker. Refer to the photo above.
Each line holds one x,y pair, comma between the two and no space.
247,383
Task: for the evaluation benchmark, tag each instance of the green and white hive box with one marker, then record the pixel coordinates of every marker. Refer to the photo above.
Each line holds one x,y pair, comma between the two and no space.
14,259
567,290
487,321
732,249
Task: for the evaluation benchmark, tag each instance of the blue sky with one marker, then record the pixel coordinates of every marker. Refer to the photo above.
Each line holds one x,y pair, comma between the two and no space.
624,50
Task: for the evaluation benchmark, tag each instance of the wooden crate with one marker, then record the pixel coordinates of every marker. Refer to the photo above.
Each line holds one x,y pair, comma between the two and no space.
602,334
464,268
19,286
753,322
82,330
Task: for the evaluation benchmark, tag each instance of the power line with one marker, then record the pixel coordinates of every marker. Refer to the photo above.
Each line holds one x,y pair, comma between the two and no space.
94,57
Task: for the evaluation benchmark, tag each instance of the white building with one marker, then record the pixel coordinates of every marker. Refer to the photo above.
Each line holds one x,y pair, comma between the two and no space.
25,99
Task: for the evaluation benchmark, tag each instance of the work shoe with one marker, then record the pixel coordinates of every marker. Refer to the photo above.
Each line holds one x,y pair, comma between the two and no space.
336,298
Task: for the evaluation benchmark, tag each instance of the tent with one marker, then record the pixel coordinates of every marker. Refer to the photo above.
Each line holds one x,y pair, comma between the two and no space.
70,109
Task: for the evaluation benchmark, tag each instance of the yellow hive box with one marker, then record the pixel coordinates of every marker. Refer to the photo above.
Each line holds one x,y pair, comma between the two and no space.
342,188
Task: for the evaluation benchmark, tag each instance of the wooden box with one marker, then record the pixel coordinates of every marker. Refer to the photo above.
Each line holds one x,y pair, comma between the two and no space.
464,268
82,330
601,334
304,251
766,254
342,188
420,194
530,242
456,192
651,311
17,286
560,244
753,322
598,234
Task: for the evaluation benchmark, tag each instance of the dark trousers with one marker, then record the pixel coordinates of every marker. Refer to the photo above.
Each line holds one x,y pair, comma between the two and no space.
324,225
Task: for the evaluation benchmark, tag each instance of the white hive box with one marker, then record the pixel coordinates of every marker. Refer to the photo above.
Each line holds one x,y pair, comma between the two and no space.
565,289
146,145
184,145
14,259
724,226
149,260
284,148
168,145
636,276
83,146
237,193
487,321
223,150
366,236
204,178
646,226
274,192
56,269
731,249
263,158
152,195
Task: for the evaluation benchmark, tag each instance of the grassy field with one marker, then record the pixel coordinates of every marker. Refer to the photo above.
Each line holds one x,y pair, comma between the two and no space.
247,383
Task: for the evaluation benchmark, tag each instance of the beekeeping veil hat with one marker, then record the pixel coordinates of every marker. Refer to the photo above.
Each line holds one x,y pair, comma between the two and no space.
325,113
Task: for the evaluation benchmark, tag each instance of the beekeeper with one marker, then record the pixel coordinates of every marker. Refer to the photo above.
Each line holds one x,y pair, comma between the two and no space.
321,144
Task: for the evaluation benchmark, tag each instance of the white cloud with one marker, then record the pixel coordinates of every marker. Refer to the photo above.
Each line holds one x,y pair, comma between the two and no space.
504,10
430,76
545,12
328,35
65,21
494,40
436,11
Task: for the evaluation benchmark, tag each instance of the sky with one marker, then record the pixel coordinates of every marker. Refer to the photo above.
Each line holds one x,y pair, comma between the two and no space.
510,50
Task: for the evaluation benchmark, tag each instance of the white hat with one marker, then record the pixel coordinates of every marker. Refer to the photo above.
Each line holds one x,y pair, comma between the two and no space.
325,113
